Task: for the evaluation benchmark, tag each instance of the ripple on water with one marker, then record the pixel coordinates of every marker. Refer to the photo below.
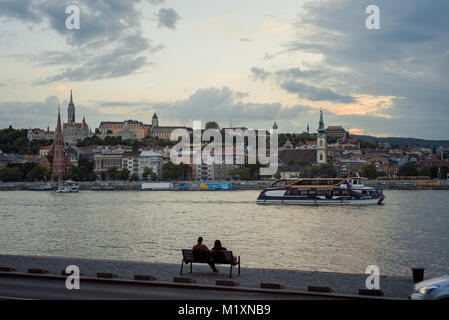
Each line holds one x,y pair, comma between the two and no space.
410,229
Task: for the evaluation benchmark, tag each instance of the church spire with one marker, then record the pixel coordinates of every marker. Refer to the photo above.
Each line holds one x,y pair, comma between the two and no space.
71,110
321,129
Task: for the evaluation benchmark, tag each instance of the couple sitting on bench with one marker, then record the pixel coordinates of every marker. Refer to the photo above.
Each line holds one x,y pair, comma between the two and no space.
217,247
200,253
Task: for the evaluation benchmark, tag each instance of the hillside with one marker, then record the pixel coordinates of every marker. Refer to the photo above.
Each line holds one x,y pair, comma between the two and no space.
412,142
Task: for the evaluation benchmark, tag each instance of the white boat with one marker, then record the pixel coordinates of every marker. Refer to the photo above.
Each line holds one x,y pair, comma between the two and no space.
321,191
68,187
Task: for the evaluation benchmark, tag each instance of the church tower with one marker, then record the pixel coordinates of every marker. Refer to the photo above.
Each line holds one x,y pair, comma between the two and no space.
155,121
71,110
57,149
321,142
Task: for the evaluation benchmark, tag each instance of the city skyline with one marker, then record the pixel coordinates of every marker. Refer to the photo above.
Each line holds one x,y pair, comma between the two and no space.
252,62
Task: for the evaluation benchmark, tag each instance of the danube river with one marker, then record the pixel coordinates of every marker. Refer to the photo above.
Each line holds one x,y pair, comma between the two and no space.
410,229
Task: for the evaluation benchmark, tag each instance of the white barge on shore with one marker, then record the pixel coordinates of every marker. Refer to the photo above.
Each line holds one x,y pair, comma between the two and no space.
321,191
154,186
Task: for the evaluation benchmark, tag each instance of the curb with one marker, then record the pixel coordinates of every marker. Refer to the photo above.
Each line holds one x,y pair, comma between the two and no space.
198,286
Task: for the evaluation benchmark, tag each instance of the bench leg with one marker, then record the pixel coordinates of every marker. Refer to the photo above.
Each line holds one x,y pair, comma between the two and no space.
182,266
230,273
239,265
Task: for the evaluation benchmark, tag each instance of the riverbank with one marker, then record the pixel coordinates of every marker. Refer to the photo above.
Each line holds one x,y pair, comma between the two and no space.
236,185
342,283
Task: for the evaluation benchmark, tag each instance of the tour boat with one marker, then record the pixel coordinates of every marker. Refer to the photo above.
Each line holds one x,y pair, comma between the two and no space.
321,191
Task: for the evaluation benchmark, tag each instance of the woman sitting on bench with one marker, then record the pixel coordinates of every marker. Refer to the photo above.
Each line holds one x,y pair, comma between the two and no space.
219,247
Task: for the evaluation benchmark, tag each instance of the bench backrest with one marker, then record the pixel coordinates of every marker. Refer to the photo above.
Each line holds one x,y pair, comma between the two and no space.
222,257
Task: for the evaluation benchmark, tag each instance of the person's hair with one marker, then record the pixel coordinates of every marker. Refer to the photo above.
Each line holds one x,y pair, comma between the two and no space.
200,239
217,244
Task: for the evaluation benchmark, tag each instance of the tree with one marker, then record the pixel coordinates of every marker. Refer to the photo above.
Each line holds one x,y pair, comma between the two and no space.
369,171
368,145
408,169
327,170
8,174
134,177
148,173
124,174
135,146
39,174
212,125
240,173
171,171
112,173
433,172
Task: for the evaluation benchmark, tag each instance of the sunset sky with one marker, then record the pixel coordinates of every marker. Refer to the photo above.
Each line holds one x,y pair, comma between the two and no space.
254,62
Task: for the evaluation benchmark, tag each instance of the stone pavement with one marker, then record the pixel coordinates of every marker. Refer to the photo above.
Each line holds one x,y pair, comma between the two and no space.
392,286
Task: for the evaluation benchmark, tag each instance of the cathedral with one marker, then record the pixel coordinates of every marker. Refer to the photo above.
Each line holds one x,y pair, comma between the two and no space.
74,131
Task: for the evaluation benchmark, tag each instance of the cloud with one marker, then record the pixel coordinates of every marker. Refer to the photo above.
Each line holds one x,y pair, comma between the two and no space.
285,78
260,73
24,10
222,104
26,114
109,43
167,18
285,74
246,40
407,59
308,92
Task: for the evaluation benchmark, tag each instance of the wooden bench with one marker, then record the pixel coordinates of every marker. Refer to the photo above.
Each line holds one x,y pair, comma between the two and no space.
217,257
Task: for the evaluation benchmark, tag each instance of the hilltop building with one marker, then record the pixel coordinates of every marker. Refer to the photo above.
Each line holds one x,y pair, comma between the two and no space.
74,131
39,134
163,132
132,129
128,129
335,131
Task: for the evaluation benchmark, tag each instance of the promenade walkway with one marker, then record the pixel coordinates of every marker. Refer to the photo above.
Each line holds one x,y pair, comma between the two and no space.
342,283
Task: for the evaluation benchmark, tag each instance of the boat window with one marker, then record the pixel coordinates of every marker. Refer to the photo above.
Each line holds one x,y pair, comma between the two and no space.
293,192
279,183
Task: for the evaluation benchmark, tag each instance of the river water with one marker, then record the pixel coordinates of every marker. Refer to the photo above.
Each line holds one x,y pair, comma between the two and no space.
410,229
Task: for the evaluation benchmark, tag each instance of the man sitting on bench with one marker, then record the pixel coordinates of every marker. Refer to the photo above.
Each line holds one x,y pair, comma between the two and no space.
202,247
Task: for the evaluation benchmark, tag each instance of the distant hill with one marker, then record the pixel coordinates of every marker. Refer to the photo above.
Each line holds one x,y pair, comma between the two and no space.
412,142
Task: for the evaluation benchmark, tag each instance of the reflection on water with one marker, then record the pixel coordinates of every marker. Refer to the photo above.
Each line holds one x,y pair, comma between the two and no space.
411,229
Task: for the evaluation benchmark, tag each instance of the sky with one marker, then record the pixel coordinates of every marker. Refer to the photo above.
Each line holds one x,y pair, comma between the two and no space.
249,63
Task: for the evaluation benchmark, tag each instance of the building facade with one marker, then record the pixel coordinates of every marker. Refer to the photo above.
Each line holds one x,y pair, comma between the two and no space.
107,159
151,160
130,161
128,129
